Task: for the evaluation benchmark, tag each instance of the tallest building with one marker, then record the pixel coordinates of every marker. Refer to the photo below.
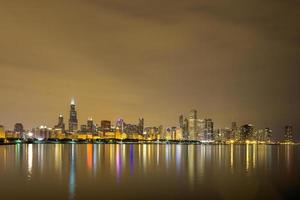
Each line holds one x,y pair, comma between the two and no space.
73,121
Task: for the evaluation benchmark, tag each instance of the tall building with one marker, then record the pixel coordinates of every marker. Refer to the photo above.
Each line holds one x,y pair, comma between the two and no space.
83,128
120,125
264,135
234,131
268,134
73,121
185,129
288,134
181,121
105,126
183,124
246,132
2,132
141,126
208,129
19,128
201,131
60,124
192,125
42,132
90,125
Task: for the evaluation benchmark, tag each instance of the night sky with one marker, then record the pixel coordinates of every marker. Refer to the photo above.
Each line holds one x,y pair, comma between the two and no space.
231,60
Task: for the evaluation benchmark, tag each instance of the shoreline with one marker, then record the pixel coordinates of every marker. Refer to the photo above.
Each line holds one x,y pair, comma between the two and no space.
141,142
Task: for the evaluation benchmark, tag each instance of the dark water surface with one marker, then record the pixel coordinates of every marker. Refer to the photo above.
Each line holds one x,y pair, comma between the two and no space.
111,171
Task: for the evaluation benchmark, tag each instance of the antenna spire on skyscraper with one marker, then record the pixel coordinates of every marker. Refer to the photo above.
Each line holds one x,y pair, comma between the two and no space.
73,101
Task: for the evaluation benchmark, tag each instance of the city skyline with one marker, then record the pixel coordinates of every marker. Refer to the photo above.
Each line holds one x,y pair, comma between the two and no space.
192,126
232,61
149,99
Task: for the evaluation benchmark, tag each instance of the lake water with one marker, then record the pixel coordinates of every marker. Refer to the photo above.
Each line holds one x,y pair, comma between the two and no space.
149,171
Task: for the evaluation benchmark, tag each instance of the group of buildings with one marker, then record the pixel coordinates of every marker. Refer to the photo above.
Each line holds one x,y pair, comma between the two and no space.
191,128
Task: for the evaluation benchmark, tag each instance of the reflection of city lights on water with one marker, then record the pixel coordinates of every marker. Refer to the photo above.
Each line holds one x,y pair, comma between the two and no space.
72,173
131,159
231,156
178,157
247,157
118,163
191,165
95,158
89,160
30,160
157,154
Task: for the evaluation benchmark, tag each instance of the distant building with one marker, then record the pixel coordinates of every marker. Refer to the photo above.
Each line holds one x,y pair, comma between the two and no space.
42,132
263,135
2,132
73,121
246,132
151,133
194,128
222,135
181,121
131,128
234,131
288,133
60,124
105,126
179,134
83,128
120,125
19,130
91,126
183,124
141,126
193,125
208,129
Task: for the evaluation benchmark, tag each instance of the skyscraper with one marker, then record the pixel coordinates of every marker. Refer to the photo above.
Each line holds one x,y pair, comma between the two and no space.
234,131
105,125
141,125
73,121
90,125
60,124
288,134
19,129
2,132
185,129
208,129
192,125
246,132
181,121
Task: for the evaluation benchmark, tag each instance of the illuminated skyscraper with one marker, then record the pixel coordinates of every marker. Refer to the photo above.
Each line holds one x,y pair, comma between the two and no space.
61,124
90,125
208,129
19,128
288,134
120,125
73,121
83,128
2,132
192,125
183,124
181,121
246,132
105,126
141,125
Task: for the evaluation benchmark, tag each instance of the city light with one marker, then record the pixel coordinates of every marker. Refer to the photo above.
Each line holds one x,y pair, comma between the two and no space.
191,130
